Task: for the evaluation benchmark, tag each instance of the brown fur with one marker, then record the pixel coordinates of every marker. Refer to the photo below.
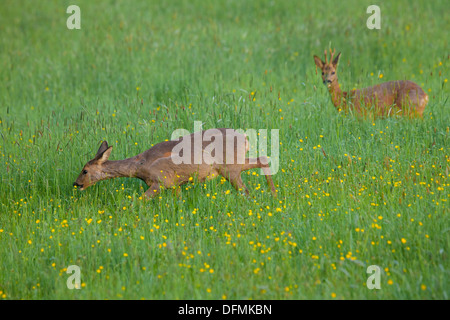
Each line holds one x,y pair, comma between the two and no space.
401,97
157,169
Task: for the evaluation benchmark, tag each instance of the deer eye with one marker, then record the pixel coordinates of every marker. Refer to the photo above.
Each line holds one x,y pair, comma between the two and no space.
333,72
84,171
323,73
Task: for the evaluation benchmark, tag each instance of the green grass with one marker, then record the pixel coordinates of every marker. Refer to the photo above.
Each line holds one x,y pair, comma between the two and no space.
351,193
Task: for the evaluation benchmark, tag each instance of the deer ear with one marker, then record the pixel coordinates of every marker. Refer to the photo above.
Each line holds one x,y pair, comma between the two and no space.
319,62
336,60
102,148
103,156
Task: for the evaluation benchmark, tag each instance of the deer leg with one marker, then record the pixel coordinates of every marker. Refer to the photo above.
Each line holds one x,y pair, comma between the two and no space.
234,177
153,190
176,191
263,163
236,181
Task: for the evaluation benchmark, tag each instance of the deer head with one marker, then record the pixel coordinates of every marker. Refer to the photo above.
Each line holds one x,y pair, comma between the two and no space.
329,69
92,171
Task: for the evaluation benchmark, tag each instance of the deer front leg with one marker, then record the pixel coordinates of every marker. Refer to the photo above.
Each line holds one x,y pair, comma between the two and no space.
176,191
238,184
263,163
153,191
234,177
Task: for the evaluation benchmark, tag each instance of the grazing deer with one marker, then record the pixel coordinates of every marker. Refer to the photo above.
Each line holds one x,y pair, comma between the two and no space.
383,98
160,165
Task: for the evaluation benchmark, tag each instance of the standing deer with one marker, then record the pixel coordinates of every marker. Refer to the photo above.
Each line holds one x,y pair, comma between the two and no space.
160,165
383,98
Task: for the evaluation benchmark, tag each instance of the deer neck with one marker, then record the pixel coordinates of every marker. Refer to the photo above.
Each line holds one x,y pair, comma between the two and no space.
119,168
337,95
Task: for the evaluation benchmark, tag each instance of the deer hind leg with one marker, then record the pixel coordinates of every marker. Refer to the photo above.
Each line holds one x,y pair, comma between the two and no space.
263,163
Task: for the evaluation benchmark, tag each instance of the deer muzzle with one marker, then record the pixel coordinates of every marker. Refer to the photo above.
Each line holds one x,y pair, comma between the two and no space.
78,185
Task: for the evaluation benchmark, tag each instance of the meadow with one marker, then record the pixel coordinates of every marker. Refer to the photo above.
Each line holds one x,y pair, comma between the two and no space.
351,192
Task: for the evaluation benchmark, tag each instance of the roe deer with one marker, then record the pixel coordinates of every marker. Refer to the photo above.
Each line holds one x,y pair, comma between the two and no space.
158,166
384,98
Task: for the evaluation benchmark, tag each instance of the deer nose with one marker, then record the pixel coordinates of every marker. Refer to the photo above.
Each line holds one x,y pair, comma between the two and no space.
77,185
